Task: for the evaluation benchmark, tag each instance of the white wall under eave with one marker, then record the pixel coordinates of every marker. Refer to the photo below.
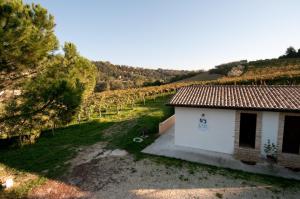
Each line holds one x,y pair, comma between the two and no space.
219,135
270,122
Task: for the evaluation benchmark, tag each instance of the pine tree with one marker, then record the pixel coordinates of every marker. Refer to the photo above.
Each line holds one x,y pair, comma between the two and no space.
26,40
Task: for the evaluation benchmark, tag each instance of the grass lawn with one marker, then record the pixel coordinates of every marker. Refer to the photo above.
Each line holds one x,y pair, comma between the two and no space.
48,157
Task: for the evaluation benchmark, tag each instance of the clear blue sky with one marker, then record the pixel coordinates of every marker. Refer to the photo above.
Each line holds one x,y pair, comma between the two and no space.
179,34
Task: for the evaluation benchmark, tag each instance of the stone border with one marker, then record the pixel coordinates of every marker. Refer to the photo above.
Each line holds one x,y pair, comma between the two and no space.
286,159
243,153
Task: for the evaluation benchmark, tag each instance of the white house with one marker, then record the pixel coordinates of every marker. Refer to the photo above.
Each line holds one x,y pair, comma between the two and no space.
239,120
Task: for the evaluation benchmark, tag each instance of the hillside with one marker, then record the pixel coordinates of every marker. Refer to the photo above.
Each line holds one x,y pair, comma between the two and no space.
261,65
290,61
270,71
277,71
202,76
112,77
285,68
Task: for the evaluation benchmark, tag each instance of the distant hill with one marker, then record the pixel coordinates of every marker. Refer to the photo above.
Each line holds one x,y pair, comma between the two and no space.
258,67
287,63
241,71
282,70
223,69
269,71
111,76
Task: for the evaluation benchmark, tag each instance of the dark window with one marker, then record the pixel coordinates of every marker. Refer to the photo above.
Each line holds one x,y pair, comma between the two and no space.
291,134
247,130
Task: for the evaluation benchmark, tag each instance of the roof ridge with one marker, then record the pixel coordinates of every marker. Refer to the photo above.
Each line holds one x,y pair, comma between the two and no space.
258,97
239,85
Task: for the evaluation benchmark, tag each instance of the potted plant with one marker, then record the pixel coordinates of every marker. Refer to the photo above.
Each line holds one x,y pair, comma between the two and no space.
271,151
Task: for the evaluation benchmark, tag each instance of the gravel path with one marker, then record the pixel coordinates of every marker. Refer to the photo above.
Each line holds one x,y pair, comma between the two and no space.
98,173
146,179
118,176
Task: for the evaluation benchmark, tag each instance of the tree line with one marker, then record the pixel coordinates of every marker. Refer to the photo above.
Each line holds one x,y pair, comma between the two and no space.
291,52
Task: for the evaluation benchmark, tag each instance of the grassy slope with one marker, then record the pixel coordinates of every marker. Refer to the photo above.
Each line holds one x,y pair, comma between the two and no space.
202,77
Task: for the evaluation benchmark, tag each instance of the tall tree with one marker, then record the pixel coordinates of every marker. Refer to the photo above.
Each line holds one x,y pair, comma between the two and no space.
26,40
52,97
290,52
53,86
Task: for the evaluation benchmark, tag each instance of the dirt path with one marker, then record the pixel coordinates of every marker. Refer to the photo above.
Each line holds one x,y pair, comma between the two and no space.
96,151
98,173
121,177
114,176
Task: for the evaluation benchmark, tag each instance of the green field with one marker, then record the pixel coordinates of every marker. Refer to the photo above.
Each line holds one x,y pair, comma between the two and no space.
48,157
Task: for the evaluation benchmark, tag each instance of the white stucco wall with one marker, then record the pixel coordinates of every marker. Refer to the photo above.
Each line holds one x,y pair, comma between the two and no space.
218,137
270,122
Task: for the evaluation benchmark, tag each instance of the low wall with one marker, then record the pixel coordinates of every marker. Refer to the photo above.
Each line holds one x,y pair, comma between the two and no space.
289,160
165,125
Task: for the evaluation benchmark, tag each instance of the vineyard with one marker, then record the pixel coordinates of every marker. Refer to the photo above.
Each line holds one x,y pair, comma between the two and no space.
112,102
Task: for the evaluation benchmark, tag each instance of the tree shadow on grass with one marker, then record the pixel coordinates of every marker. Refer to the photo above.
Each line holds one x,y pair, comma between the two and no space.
50,152
48,156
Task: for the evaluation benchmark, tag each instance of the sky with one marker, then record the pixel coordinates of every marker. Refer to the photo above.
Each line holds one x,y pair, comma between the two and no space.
177,34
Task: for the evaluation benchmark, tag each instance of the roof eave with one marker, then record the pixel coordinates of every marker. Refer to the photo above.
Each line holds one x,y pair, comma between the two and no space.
236,108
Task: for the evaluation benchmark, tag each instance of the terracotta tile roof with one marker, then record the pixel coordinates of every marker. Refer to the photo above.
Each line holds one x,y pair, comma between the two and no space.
274,98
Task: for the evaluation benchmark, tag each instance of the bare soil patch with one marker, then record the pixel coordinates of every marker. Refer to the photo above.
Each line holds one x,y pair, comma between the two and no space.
87,154
97,174
55,189
114,177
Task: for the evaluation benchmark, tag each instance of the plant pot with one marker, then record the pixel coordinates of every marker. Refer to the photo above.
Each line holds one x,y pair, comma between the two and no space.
271,158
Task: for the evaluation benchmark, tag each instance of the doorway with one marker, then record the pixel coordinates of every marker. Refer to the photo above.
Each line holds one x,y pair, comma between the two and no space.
291,135
247,130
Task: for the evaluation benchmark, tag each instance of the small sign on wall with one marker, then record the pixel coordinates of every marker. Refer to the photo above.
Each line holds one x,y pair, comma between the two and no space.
203,124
